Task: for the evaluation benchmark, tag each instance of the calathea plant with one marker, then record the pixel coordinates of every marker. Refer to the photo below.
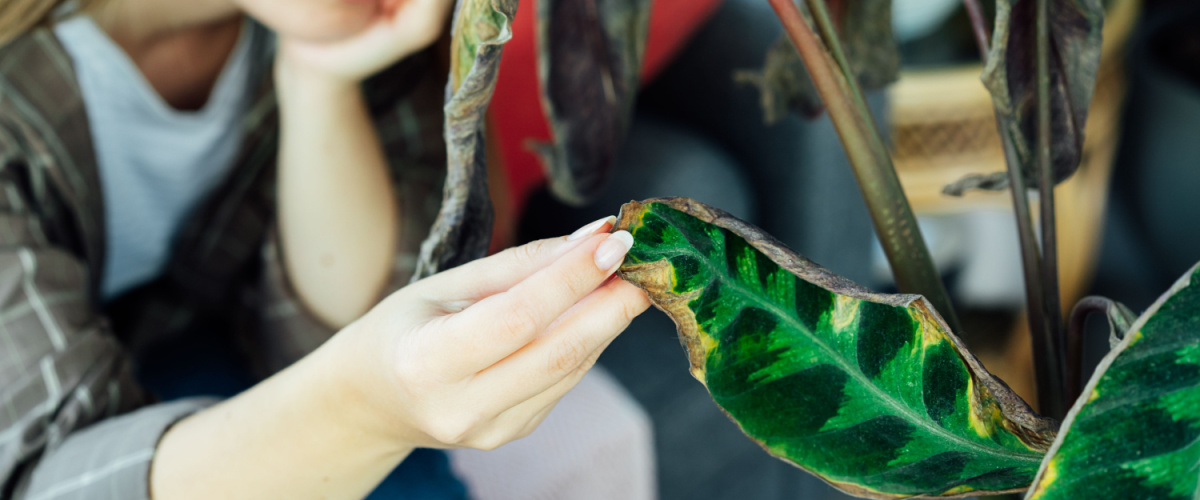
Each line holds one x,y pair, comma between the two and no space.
873,393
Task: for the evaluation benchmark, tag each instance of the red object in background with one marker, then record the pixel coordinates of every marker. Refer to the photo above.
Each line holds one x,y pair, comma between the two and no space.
515,115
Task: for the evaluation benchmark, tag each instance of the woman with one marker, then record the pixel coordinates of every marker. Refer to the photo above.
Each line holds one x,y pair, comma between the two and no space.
141,198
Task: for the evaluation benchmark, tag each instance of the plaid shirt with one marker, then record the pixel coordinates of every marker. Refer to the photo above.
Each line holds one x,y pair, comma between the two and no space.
68,426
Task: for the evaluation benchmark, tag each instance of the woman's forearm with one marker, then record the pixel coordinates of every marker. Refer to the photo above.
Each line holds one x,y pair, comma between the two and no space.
338,220
472,357
303,433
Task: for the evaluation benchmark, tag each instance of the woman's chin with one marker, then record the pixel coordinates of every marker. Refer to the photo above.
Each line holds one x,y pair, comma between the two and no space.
316,21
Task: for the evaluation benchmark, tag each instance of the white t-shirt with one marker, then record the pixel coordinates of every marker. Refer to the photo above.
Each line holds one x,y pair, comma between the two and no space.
156,163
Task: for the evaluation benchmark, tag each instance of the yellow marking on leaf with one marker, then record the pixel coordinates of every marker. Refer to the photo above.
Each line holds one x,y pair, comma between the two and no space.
1095,394
707,342
931,333
958,490
983,418
1048,478
1137,337
845,311
779,450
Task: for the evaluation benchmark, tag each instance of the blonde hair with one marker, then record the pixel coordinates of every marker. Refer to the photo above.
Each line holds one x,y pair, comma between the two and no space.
20,16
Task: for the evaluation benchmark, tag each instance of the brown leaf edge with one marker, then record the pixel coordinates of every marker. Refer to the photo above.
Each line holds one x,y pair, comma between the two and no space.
655,279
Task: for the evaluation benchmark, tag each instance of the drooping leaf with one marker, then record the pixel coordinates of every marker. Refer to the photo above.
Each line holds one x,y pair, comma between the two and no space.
783,84
869,392
865,29
1135,432
1011,77
589,62
463,228
995,181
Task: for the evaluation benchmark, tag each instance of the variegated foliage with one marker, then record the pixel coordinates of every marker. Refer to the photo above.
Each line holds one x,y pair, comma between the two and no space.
1135,433
869,392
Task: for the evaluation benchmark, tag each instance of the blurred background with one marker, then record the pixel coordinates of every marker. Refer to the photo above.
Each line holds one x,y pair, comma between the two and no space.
1129,222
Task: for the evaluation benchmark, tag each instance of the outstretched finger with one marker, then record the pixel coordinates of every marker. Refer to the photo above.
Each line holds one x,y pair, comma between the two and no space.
481,278
520,420
572,344
501,324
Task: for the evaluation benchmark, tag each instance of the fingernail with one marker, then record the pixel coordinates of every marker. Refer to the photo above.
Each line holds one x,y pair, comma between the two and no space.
592,228
613,250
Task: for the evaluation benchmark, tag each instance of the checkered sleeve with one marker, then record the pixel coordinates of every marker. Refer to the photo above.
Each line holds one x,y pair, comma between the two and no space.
61,369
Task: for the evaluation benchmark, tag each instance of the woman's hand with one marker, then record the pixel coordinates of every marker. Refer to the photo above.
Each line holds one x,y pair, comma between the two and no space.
399,29
478,355
473,357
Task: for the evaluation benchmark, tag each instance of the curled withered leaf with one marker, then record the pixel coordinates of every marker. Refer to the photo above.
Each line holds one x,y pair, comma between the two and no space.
1120,318
870,392
589,62
463,228
1011,77
865,29
996,181
783,84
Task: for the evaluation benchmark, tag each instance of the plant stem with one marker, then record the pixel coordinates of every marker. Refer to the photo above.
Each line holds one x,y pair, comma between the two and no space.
1078,319
895,224
833,45
1045,353
1045,170
1055,355
1044,315
979,25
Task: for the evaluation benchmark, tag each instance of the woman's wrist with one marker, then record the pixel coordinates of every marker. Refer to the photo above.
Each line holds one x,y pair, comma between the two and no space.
312,425
351,374
305,85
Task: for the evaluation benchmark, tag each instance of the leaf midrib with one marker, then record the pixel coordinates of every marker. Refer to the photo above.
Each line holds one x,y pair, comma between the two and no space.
853,371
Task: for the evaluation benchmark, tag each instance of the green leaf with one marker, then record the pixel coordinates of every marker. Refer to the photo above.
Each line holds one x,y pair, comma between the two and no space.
589,65
463,228
869,392
1135,432
1011,77
865,30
